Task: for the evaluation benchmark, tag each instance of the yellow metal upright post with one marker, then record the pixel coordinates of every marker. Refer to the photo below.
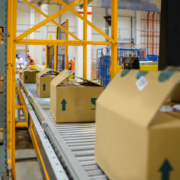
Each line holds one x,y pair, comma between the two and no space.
46,54
14,85
85,39
114,15
11,68
55,57
66,48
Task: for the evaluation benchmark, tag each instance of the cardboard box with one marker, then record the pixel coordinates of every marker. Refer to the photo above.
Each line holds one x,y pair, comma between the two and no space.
134,140
29,75
43,80
19,71
73,102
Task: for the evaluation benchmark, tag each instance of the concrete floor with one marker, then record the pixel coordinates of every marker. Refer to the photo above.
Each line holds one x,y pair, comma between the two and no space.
29,169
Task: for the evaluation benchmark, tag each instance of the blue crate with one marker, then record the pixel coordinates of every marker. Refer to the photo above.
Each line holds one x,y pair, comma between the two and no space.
152,57
104,61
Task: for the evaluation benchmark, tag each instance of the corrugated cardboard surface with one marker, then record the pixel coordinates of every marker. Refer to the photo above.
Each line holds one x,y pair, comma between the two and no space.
43,86
43,82
72,102
133,139
29,76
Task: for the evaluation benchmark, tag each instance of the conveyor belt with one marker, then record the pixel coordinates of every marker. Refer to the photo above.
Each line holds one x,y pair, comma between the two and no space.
78,140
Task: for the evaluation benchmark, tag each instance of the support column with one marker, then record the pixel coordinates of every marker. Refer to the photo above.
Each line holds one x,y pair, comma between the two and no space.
31,36
79,50
44,34
114,27
169,34
138,27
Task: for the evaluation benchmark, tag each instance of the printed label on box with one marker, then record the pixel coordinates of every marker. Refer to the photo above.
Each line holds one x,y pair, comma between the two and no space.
141,83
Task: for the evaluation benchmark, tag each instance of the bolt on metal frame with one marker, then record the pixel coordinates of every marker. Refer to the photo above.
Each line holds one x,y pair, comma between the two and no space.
14,40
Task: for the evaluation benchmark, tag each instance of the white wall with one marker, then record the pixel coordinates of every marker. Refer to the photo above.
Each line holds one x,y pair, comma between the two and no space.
144,34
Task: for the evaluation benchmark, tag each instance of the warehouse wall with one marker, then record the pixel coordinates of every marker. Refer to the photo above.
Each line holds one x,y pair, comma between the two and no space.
156,32
124,26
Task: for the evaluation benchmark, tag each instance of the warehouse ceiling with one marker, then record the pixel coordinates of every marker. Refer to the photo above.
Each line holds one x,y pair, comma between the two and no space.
144,5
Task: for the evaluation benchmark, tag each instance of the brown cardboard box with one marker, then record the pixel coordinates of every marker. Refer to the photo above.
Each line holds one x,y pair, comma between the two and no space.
29,75
73,102
43,80
134,140
20,71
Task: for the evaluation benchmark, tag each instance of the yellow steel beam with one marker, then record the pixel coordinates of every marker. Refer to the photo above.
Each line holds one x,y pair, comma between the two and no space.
38,10
60,42
66,47
21,50
85,4
19,106
55,57
85,20
114,15
21,124
50,18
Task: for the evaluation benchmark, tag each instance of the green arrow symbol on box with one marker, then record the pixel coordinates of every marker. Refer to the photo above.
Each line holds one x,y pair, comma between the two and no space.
26,77
64,105
44,87
165,170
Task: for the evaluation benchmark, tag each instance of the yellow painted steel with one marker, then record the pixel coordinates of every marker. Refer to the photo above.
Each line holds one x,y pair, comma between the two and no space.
85,20
21,124
11,68
50,18
13,88
19,106
46,53
55,57
60,42
64,29
35,144
23,104
114,15
21,50
85,4
36,66
66,47
149,67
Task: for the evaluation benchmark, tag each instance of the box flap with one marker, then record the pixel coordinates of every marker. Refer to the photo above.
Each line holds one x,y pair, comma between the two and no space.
88,81
30,70
122,95
41,73
61,77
